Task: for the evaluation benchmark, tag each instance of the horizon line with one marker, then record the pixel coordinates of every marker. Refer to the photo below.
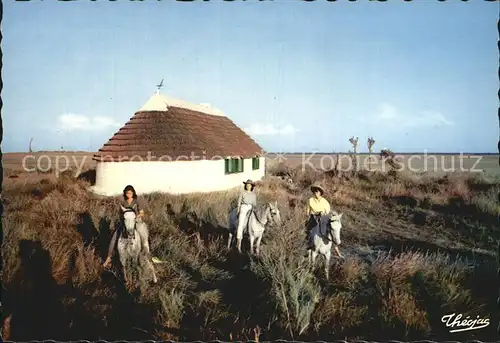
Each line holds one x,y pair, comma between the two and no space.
285,153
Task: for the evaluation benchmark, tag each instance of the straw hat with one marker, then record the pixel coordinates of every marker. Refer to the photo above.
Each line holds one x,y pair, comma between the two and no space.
249,182
318,187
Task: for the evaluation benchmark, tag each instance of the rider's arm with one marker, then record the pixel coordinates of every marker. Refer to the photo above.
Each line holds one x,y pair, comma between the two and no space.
254,200
327,206
140,211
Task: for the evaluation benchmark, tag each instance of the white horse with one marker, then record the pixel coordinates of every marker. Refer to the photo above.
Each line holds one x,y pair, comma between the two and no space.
256,225
322,236
133,243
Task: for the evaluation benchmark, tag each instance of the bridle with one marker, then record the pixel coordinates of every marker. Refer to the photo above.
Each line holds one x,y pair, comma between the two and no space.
272,213
125,227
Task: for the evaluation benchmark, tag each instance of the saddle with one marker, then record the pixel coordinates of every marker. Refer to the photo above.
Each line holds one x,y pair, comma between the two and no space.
324,225
322,222
313,221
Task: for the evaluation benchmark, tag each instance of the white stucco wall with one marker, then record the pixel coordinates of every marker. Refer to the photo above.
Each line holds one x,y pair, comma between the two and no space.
179,177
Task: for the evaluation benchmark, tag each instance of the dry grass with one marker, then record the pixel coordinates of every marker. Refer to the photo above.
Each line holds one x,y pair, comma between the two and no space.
206,292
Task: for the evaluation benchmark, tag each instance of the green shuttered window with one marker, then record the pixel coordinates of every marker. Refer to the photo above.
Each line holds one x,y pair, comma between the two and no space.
233,165
255,163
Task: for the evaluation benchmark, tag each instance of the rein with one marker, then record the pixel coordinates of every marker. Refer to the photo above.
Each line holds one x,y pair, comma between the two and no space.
257,217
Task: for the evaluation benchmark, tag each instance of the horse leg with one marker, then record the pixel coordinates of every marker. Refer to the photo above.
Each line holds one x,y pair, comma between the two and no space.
137,268
126,272
123,261
152,268
312,259
314,253
229,241
252,239
258,244
327,263
337,250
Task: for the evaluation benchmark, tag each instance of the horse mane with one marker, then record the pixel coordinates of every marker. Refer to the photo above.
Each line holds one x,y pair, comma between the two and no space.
261,210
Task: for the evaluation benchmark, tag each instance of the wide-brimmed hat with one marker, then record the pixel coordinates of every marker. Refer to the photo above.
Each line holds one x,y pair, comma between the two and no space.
249,182
316,187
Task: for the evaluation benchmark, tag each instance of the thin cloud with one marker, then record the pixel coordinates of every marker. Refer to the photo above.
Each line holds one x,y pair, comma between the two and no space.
77,122
387,112
259,129
433,117
390,114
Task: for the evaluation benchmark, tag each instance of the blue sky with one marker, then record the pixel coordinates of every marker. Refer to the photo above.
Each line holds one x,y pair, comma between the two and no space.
298,76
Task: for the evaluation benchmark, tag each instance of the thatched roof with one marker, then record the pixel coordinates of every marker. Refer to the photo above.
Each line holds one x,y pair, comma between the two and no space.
177,131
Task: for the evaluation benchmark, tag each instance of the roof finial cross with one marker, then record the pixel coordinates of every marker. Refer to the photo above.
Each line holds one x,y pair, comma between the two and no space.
158,86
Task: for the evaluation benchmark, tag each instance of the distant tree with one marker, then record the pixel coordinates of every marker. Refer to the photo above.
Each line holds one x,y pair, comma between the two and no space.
354,156
29,147
370,144
354,142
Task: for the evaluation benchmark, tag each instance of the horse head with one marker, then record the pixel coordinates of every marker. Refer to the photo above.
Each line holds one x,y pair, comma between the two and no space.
335,217
335,224
273,213
129,219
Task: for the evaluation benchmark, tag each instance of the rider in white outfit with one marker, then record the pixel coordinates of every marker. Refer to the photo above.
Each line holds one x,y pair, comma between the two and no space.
246,202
